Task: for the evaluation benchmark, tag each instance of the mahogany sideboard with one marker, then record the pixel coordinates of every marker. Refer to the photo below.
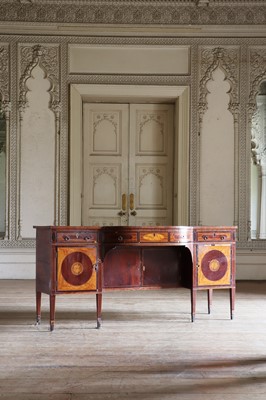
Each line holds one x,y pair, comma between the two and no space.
76,259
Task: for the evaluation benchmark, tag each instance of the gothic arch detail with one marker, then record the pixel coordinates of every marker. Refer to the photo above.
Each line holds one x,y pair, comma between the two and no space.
48,59
228,60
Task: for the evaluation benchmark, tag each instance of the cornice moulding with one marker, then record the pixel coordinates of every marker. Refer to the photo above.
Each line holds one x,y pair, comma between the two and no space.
175,12
158,2
129,30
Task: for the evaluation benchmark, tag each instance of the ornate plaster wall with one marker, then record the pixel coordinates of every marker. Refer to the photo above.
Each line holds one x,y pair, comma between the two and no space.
220,38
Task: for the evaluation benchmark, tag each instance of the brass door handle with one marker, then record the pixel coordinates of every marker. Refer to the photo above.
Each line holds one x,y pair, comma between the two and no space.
131,201
124,202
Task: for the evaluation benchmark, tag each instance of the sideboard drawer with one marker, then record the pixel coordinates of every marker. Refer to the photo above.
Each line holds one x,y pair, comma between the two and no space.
76,237
181,237
213,236
153,237
120,237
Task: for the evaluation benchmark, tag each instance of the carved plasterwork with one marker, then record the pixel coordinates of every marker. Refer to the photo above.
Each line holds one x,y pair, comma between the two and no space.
4,75
257,74
5,108
5,105
228,60
47,57
258,132
140,12
3,134
256,139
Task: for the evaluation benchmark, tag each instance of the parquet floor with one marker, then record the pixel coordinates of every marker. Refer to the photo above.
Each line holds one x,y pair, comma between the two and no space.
147,347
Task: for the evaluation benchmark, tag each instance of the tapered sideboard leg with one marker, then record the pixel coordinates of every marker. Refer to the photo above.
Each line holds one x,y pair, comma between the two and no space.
99,309
193,304
210,293
38,307
232,302
52,312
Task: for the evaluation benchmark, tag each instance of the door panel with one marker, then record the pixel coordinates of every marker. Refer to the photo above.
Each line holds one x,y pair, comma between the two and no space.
151,158
128,164
105,157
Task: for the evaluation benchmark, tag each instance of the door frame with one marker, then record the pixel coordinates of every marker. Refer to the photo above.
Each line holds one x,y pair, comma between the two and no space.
177,95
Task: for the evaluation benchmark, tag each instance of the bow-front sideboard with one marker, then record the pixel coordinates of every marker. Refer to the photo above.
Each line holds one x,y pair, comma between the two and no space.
71,259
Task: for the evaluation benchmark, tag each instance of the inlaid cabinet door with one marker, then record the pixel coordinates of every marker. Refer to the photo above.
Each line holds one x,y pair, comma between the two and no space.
160,267
127,164
214,265
122,268
75,268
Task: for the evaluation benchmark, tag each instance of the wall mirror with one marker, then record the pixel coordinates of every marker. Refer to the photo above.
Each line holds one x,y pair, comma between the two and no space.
258,167
2,173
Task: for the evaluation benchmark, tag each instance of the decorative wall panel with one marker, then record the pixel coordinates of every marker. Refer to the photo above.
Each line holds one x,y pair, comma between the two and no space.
218,171
38,141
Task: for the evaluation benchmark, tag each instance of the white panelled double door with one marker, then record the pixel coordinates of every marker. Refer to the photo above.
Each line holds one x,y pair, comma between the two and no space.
127,164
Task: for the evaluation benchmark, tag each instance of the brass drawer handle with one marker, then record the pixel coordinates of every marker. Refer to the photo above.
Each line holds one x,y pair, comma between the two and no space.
88,238
66,238
205,237
120,238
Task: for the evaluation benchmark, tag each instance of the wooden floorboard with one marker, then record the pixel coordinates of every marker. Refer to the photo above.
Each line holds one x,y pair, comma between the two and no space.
147,347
